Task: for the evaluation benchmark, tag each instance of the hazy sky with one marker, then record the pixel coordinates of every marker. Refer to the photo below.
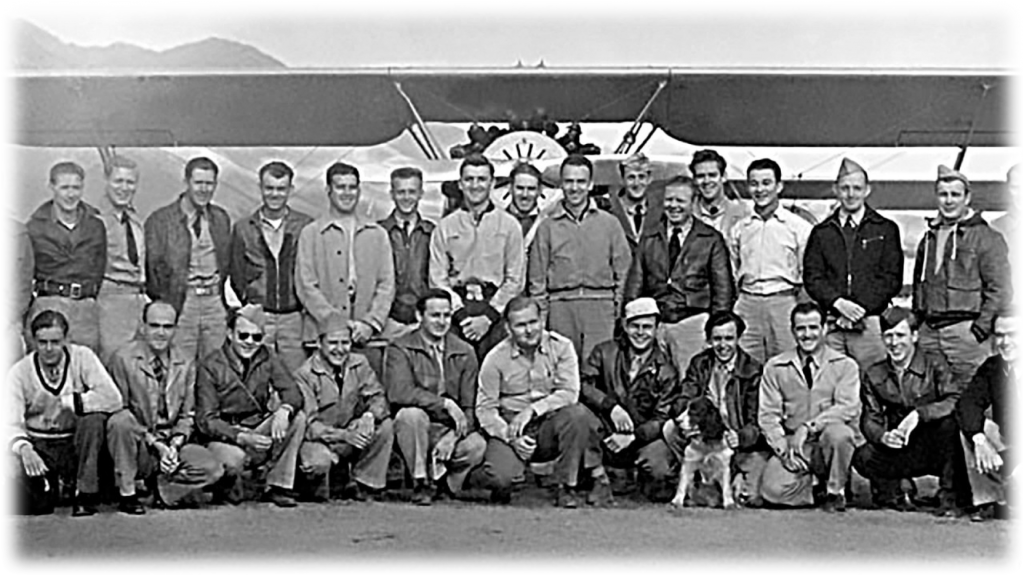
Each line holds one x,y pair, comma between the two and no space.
310,34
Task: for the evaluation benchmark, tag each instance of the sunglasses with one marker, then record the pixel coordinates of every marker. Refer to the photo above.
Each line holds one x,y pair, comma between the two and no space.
256,337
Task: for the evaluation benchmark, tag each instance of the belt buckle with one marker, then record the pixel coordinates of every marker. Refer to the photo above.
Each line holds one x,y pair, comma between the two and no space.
76,290
474,292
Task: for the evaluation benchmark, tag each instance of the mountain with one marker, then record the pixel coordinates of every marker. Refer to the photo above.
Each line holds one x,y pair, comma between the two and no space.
38,50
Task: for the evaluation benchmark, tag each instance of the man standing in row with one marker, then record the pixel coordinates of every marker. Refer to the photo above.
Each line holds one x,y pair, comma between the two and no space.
713,207
961,279
1007,223
188,250
410,234
578,263
524,184
149,439
263,253
15,288
122,295
431,377
853,268
767,250
60,397
683,264
69,248
237,414
345,265
808,408
476,253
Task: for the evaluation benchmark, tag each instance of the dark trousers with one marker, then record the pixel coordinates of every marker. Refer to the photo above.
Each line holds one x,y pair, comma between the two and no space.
934,449
69,460
568,436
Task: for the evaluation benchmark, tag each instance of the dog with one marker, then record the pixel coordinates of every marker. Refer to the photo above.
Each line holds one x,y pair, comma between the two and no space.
706,451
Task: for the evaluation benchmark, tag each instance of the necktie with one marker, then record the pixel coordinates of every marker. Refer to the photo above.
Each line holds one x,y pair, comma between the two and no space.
159,374
406,231
133,249
197,225
808,372
674,242
638,219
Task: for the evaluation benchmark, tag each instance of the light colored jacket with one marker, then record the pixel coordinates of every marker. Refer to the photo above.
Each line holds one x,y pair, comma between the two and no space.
322,272
131,368
36,412
786,403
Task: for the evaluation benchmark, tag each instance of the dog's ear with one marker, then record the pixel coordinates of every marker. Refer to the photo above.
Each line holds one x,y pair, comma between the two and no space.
711,422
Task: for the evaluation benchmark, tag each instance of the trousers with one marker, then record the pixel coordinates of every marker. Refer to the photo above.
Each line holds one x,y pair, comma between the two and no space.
369,465
120,316
831,455
586,322
280,461
416,436
767,318
202,325
70,461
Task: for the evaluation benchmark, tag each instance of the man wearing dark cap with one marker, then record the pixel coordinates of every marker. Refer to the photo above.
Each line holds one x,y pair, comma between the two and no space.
908,401
69,248
713,206
249,409
961,279
853,267
188,252
15,287
349,423
636,204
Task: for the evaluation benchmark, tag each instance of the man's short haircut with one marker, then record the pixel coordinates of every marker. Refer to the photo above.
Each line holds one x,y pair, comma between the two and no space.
67,167
805,308
200,163
524,168
894,315
577,160
1005,311
475,160
407,172
277,169
638,161
150,304
766,164
681,180
341,169
49,319
1017,169
520,303
702,156
432,294
118,161
721,318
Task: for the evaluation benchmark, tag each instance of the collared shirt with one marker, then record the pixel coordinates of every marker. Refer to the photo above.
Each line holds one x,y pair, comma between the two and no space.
273,233
684,230
511,381
1010,225
720,374
729,213
591,253
490,250
119,267
411,253
768,254
858,217
630,211
202,264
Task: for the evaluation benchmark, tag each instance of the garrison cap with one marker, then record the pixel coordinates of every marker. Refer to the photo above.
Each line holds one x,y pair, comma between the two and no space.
850,167
335,322
947,173
253,313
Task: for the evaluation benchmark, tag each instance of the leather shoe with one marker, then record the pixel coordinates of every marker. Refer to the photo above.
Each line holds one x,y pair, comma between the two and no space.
601,495
501,496
834,503
279,498
421,495
85,505
565,497
130,505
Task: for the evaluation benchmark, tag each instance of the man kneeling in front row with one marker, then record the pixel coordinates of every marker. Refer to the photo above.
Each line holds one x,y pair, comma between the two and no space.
349,425
908,401
148,437
527,407
59,397
993,388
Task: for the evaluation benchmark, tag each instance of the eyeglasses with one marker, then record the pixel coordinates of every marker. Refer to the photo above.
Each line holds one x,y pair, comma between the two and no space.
256,337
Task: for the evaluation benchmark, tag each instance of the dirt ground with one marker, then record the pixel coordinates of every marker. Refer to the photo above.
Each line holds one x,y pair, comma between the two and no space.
527,530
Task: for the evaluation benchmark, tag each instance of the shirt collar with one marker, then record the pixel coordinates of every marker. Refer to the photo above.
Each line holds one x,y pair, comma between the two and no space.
858,217
274,223
542,348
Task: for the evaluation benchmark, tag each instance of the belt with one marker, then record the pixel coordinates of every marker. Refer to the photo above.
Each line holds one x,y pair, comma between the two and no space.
132,286
72,290
787,292
204,290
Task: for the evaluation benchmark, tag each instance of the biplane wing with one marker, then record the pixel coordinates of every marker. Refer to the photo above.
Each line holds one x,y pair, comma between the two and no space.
362,107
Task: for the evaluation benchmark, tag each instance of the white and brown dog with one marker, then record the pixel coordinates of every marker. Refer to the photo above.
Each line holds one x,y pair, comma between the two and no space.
706,451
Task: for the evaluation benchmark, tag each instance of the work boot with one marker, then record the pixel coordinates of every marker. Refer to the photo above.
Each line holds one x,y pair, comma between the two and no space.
834,503
279,497
130,505
565,497
601,495
421,492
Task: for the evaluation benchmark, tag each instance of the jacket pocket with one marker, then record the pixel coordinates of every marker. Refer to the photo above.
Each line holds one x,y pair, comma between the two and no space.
964,282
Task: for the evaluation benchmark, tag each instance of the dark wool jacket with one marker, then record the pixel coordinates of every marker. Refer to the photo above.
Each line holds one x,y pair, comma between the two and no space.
412,265
411,376
741,393
990,387
928,387
871,275
62,255
655,195
227,394
648,399
256,276
169,248
973,282
700,280
16,266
